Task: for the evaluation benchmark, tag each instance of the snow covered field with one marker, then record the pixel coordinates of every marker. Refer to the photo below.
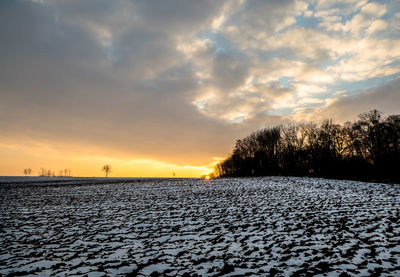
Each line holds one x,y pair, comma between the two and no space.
257,226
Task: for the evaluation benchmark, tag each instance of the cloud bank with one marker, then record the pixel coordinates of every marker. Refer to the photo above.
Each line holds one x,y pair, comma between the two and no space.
178,81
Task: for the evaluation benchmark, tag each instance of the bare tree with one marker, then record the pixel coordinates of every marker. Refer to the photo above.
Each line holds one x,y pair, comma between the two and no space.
107,169
42,172
27,171
366,149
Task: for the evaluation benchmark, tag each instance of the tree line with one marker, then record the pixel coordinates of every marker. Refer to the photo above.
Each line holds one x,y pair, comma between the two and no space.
62,173
51,173
367,149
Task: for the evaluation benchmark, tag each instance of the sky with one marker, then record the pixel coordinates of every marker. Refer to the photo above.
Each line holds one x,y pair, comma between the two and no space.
161,87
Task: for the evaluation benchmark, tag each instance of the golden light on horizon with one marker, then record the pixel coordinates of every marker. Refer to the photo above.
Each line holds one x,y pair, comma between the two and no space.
86,165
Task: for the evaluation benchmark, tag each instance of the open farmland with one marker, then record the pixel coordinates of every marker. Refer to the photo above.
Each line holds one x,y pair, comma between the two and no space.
257,226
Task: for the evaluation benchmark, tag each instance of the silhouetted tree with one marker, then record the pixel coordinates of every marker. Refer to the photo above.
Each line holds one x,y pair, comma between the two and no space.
107,169
42,172
366,149
27,171
69,172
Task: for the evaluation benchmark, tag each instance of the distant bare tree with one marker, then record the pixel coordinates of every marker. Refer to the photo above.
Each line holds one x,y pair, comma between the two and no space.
27,171
42,172
46,172
65,172
106,169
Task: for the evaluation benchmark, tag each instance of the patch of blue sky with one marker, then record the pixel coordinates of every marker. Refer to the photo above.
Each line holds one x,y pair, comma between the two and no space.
280,112
392,7
311,7
395,63
388,15
307,22
392,10
286,81
221,44
345,18
360,86
346,13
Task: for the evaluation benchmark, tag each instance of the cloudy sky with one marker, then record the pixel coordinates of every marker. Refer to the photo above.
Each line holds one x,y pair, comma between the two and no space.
155,87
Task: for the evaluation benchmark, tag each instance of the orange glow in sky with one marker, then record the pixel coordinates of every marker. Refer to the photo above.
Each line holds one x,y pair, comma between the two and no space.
16,158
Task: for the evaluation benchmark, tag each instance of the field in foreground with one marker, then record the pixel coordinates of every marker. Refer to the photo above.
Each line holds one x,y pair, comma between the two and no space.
268,226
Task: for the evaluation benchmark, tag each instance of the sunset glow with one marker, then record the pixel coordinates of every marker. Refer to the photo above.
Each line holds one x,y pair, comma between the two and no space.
157,88
83,165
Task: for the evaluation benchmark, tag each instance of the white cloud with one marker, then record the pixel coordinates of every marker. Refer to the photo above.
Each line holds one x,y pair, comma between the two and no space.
369,58
306,90
373,9
376,26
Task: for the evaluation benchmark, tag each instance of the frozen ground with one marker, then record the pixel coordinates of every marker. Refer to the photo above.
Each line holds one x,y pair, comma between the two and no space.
262,226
